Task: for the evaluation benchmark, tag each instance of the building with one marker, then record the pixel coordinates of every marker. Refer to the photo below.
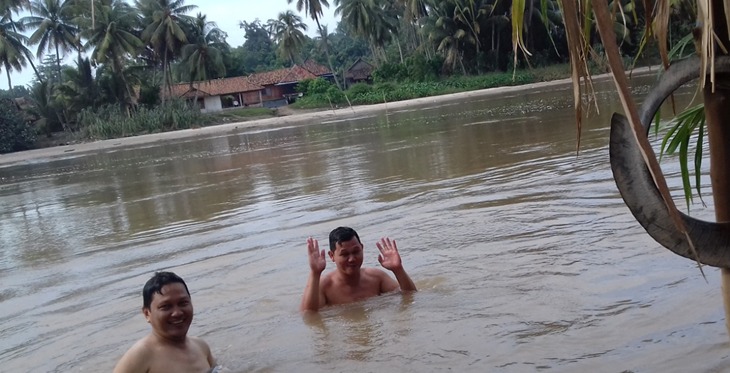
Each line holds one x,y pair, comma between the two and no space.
359,72
264,89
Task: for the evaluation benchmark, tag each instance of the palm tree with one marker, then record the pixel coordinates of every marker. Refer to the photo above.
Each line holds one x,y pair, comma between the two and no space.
13,52
288,31
368,19
112,40
79,89
313,8
14,6
449,35
163,22
203,58
52,20
414,9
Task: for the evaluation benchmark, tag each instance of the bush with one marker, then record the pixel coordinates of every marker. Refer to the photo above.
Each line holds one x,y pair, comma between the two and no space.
111,121
388,72
149,95
359,89
15,134
314,86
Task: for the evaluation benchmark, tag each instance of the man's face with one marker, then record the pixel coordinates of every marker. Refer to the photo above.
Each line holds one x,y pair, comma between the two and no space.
171,312
348,256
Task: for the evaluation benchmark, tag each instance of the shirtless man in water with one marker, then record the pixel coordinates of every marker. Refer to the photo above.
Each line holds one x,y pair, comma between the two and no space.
169,310
350,282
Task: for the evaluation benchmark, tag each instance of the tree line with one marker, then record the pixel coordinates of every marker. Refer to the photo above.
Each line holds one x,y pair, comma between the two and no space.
130,54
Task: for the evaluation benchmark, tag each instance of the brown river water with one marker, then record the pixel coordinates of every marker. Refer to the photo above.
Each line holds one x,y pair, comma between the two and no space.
526,258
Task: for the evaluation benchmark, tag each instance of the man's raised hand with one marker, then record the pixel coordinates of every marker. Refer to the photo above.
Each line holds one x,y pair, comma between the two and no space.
317,259
389,257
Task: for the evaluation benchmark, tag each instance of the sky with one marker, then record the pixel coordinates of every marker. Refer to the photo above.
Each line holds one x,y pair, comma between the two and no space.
226,13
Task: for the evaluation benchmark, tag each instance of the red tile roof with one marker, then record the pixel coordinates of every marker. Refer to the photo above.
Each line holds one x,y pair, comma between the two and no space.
296,74
253,82
316,68
215,87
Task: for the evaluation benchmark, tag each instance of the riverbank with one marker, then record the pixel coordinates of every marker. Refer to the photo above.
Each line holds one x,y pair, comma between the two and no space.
287,117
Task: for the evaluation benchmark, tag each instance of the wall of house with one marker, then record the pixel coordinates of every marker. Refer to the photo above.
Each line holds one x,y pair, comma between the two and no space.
251,98
273,92
212,103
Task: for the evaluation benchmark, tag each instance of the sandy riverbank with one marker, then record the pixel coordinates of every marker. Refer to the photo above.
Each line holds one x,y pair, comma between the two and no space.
295,118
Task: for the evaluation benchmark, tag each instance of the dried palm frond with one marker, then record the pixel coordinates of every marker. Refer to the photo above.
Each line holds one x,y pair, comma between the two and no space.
604,22
578,37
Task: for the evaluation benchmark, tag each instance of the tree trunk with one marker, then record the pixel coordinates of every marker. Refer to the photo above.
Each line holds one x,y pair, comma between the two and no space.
400,51
10,85
327,52
717,108
165,87
58,64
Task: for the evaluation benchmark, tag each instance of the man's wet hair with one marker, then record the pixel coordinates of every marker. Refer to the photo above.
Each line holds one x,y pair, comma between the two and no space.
342,234
155,284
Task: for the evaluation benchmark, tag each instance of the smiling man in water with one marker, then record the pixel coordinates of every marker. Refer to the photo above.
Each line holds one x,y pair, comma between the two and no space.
350,282
169,310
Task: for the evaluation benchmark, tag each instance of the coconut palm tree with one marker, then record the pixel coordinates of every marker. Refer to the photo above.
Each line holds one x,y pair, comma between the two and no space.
288,32
369,19
52,21
313,8
8,8
79,89
13,52
112,41
414,9
203,58
472,14
450,36
163,22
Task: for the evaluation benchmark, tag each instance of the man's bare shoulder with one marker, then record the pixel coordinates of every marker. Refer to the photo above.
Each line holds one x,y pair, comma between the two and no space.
375,272
137,358
327,279
200,343
203,346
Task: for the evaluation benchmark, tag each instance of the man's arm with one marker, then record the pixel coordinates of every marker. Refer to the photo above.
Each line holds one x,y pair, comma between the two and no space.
390,259
313,298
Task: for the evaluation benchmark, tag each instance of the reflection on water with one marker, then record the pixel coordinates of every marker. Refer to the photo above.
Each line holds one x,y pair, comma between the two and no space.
525,255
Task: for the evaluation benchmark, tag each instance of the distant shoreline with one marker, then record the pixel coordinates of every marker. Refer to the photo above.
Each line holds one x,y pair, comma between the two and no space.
54,152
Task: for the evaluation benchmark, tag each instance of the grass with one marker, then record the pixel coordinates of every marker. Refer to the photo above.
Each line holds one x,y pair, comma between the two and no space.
397,91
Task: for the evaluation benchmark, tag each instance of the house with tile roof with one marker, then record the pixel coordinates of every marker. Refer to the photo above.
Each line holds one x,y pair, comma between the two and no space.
264,89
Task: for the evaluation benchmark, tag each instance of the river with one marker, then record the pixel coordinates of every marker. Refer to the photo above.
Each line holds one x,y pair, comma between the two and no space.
525,256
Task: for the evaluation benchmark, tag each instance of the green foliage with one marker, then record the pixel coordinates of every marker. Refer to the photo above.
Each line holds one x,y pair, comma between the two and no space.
45,108
16,92
416,68
319,93
363,94
679,136
110,121
258,52
319,86
391,72
149,95
359,89
15,134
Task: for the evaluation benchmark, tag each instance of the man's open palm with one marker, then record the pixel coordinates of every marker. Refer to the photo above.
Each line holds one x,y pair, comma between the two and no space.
389,257
317,259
